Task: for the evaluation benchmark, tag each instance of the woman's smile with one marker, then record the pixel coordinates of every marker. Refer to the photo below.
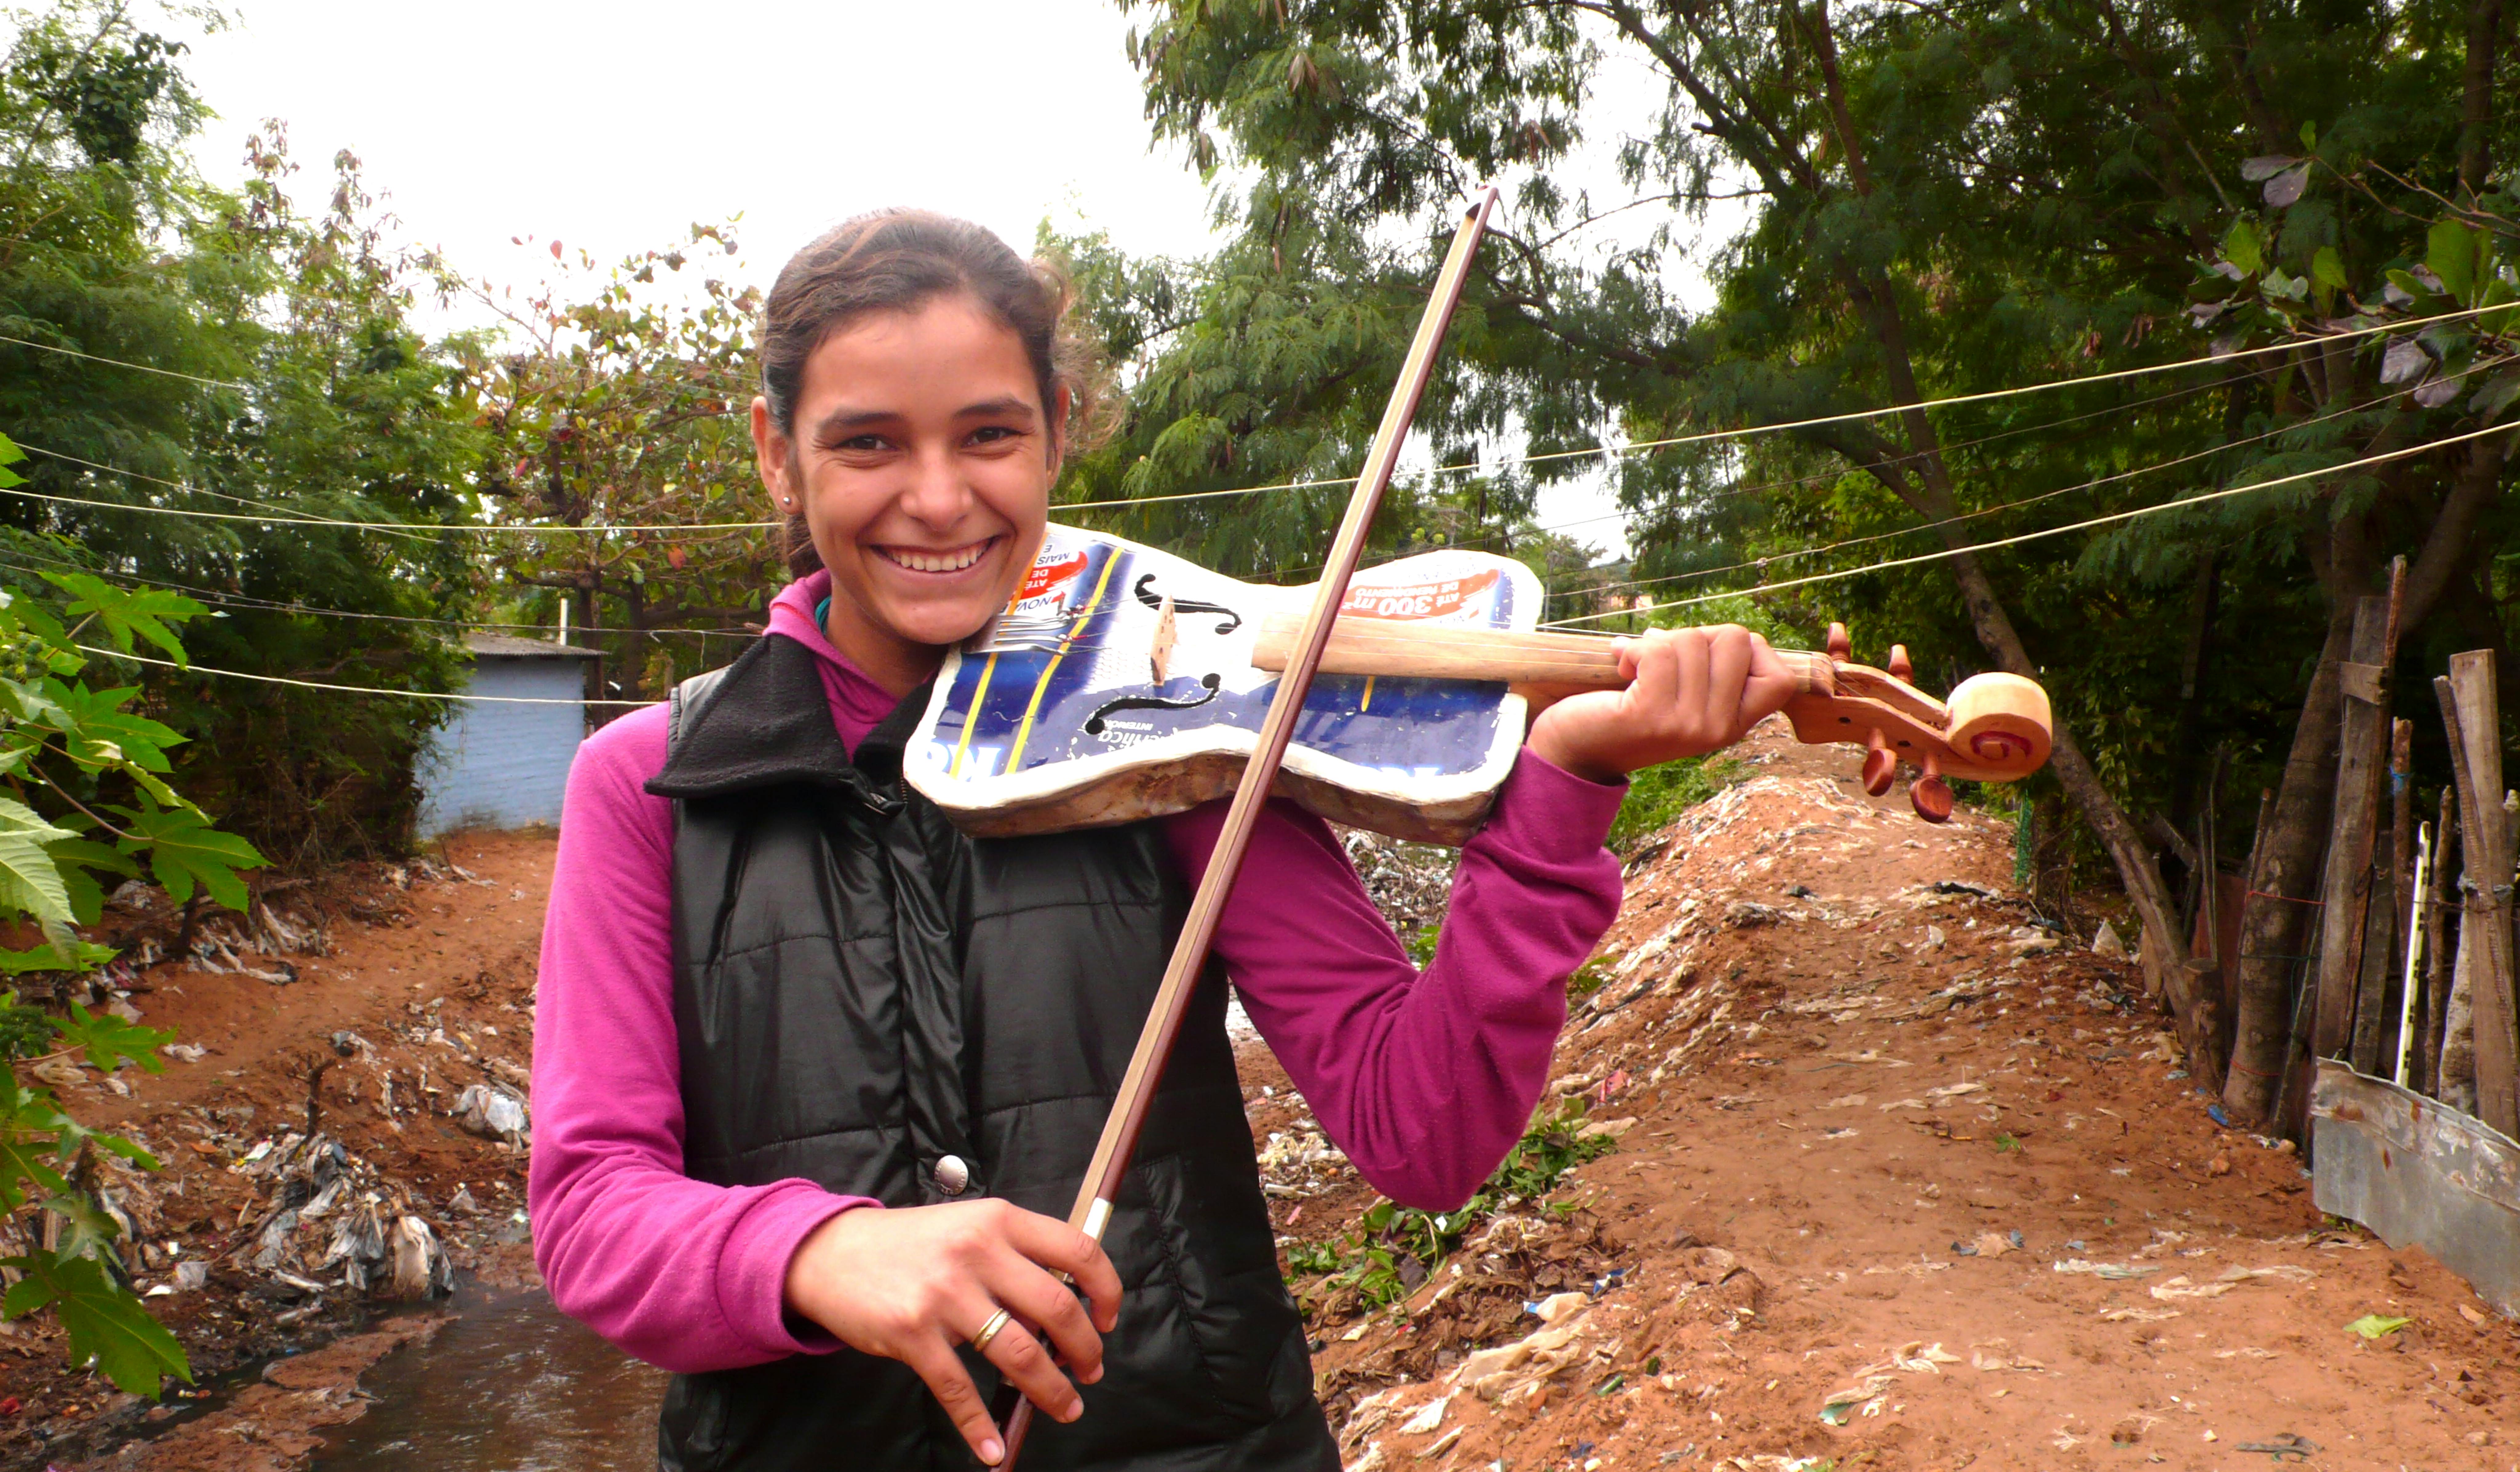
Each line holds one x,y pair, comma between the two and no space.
940,561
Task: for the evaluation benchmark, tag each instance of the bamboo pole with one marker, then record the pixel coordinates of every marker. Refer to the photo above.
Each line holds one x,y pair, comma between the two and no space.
2473,715
2345,892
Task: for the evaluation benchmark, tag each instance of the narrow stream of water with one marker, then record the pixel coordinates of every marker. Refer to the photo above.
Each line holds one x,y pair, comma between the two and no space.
513,1385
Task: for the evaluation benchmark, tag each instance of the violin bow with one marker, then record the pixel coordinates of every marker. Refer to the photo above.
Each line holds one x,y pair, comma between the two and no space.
1128,1117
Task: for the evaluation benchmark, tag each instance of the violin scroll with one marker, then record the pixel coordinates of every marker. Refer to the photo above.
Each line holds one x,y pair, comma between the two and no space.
1995,727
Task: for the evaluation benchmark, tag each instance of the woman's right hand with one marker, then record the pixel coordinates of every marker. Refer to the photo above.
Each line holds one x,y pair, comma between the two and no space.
911,1284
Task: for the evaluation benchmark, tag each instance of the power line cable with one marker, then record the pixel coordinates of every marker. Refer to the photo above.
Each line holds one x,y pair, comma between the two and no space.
353,690
1606,452
251,603
1904,531
73,352
2054,531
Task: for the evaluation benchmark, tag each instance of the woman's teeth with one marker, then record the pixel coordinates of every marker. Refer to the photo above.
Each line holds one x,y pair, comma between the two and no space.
954,559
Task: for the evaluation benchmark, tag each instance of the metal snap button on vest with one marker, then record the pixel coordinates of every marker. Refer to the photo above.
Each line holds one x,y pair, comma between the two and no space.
951,1174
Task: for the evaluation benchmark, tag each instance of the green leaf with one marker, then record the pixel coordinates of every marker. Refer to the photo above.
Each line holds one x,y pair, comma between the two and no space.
31,1125
2496,396
30,881
2450,250
106,1324
75,858
185,851
2373,1327
87,1230
124,612
2328,268
86,957
2241,248
107,1040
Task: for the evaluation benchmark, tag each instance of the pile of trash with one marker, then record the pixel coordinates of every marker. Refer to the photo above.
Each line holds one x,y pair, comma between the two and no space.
1411,884
331,1224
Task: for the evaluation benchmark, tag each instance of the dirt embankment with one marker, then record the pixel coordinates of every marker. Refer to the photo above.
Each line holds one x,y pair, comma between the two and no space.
1903,1182
332,1153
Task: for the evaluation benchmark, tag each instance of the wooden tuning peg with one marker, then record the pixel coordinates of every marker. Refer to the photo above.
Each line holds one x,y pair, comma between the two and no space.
1899,667
1930,795
1840,647
1880,764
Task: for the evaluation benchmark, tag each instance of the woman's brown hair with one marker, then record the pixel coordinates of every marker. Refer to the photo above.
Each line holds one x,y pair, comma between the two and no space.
897,260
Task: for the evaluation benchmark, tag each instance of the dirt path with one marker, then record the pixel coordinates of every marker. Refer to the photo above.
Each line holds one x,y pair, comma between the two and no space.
422,986
1906,1186
1853,1077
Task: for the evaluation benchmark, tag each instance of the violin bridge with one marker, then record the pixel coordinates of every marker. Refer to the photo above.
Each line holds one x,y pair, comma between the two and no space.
1159,657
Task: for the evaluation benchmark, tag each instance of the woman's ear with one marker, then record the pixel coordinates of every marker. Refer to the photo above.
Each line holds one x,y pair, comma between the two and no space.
771,456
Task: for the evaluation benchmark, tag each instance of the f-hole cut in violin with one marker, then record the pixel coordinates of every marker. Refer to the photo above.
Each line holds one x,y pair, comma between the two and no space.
1094,724
1145,589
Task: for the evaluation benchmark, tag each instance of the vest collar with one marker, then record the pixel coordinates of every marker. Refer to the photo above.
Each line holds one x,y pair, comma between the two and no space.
768,724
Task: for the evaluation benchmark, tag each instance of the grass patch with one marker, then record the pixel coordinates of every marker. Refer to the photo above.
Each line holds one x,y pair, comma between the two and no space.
1396,1247
1658,795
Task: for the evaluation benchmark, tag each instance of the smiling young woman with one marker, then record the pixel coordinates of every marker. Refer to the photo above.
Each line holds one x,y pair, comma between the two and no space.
815,1074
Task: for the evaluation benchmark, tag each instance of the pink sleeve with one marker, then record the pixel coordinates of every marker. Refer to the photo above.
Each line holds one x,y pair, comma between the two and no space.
682,1274
1425,1081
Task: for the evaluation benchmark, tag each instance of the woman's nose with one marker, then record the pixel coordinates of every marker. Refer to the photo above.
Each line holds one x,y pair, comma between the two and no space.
937,495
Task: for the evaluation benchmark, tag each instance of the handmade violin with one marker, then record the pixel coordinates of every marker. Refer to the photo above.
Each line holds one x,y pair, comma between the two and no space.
1123,683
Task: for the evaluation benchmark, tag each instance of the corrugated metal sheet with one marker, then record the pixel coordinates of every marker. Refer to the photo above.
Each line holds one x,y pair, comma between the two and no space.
2415,1171
505,766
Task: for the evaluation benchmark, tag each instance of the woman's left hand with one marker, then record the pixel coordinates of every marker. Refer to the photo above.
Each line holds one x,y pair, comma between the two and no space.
1690,692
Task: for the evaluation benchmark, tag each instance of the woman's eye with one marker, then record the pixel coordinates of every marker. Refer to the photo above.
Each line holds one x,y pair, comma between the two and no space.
990,434
862,444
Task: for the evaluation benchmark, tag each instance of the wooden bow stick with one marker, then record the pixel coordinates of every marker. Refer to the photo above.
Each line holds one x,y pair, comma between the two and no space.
1127,1116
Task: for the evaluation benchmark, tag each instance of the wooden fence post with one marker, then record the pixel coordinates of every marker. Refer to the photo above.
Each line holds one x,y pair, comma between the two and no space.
2376,987
2362,766
2475,721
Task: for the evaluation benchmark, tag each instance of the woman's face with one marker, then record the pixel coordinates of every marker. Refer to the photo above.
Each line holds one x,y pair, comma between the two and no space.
923,458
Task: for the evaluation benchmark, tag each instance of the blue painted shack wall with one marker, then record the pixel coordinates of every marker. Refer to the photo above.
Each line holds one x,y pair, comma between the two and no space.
503,766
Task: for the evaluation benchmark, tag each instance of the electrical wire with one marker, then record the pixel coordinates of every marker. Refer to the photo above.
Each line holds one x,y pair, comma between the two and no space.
251,603
73,352
1798,553
353,690
1607,452
2053,531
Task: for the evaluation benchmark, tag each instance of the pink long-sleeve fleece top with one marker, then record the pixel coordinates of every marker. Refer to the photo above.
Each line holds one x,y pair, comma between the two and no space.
1423,1080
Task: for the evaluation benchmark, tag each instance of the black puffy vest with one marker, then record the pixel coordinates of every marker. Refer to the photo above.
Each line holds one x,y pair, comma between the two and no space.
861,990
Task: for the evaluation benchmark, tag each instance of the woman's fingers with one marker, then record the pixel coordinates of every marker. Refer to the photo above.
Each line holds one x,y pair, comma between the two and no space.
1062,1248
1770,684
1019,1357
1049,1309
937,1365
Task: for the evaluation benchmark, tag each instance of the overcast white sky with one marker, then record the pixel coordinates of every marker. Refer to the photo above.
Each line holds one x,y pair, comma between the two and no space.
613,127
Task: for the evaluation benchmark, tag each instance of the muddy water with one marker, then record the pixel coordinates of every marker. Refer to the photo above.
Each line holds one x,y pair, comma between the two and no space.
511,1386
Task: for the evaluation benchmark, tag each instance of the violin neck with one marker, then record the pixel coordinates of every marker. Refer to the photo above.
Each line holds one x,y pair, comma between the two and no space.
1405,647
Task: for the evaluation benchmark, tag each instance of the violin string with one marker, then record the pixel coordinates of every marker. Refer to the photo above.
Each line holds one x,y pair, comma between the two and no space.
1796,553
2087,525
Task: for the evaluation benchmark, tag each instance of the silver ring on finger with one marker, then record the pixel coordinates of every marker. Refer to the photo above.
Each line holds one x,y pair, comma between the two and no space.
988,1331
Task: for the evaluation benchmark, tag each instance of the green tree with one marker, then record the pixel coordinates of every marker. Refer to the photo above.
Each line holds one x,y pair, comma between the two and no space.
184,354
86,802
620,403
1908,203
